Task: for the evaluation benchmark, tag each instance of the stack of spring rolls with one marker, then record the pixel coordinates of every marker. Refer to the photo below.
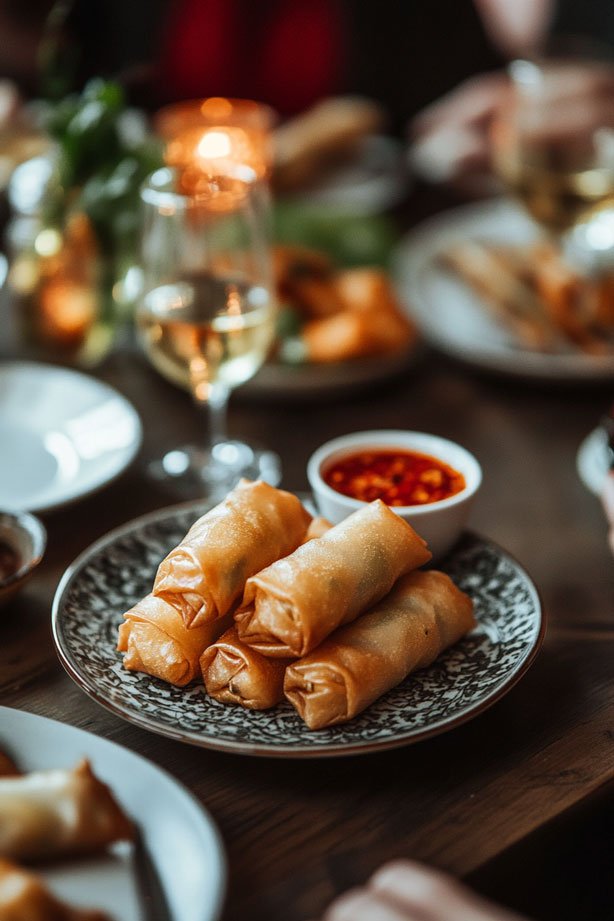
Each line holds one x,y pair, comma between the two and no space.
266,602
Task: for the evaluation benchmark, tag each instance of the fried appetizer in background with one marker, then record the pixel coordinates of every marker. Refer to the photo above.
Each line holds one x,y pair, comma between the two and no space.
544,302
424,614
234,673
49,814
205,575
329,132
155,640
290,607
25,897
347,336
343,315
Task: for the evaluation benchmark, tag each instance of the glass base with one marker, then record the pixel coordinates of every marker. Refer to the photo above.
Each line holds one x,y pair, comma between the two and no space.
212,472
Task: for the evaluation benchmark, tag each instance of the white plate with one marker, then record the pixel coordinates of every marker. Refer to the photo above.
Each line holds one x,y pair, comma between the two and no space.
592,460
62,435
180,837
117,570
283,382
374,179
449,313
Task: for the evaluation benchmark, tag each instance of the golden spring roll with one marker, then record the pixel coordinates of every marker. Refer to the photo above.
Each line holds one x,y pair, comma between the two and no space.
317,528
58,812
234,673
155,640
205,575
25,897
290,607
423,615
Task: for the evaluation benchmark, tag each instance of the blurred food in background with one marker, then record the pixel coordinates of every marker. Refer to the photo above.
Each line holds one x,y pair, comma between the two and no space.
326,135
544,302
330,315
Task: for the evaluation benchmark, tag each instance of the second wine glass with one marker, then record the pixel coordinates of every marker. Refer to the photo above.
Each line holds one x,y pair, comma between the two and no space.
206,317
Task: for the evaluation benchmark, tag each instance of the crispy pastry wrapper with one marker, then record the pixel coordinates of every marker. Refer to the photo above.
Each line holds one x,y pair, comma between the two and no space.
205,575
423,615
49,814
25,897
234,673
290,607
318,527
155,640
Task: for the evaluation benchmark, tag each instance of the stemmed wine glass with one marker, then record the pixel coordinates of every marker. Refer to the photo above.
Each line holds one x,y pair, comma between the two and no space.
206,316
553,143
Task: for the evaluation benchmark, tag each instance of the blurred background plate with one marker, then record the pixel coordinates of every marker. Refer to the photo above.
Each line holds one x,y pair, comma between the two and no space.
374,179
181,840
449,313
63,435
285,382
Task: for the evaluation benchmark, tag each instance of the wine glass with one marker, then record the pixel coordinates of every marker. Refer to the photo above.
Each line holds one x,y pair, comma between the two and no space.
553,143
206,316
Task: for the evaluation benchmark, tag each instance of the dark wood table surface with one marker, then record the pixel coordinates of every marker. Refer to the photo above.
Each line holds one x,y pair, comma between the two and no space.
296,833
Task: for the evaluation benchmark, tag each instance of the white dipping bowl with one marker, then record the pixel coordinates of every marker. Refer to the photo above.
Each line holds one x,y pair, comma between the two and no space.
439,523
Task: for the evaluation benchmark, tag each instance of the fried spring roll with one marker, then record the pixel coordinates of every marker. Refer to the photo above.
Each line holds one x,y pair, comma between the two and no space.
58,812
254,526
290,607
155,640
234,673
423,615
317,528
24,897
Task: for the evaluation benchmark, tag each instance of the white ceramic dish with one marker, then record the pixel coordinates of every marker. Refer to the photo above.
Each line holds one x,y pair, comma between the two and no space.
26,535
180,837
278,382
449,313
374,179
112,574
63,435
439,523
592,461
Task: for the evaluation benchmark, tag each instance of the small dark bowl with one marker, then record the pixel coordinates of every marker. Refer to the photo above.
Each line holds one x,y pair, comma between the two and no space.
28,538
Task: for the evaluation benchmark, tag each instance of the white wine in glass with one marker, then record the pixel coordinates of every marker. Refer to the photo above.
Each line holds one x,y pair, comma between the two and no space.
553,144
207,314
207,329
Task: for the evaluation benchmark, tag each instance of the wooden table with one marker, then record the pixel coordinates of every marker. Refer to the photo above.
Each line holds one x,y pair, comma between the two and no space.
297,832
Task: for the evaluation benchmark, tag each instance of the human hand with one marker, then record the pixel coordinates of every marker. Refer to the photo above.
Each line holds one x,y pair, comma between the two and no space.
450,138
407,891
567,105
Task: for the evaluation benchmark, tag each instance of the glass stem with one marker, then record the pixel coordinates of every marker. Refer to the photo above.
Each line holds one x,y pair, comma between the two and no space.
217,405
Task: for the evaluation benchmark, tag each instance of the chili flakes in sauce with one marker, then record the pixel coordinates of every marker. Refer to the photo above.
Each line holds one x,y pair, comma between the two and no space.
396,477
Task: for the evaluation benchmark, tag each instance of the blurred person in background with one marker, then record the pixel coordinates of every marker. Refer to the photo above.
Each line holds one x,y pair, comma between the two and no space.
290,53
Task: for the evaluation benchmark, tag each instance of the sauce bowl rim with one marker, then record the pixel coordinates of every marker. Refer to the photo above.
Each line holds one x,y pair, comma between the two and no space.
381,439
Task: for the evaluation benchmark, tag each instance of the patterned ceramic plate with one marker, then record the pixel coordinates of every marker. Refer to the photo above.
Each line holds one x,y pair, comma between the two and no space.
115,572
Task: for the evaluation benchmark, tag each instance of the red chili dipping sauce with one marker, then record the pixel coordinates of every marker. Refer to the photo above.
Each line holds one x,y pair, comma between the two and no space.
395,477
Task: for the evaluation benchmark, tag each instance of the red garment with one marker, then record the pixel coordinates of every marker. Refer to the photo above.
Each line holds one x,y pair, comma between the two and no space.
287,53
